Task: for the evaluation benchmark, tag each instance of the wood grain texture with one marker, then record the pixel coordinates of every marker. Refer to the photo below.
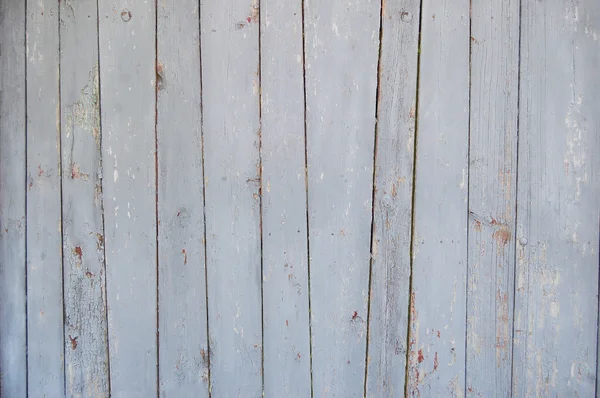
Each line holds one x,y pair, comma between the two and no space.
230,84
492,196
342,42
44,259
438,312
183,350
127,75
390,273
285,255
86,350
558,200
13,333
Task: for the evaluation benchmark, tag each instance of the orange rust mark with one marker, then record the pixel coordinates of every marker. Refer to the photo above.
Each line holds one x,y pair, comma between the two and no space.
412,112
502,236
438,334
420,357
394,190
435,362
355,315
40,171
477,226
184,256
287,323
73,342
88,274
78,252
342,232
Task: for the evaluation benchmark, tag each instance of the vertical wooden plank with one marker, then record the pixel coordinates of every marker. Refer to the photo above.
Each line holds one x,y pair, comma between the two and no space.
438,308
558,206
492,195
183,351
342,42
230,83
86,353
127,76
13,334
44,258
390,275
285,255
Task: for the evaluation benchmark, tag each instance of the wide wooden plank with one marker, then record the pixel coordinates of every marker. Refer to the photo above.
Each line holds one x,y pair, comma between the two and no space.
492,196
556,308
13,334
44,258
437,329
390,274
127,76
86,350
285,255
230,84
342,43
183,344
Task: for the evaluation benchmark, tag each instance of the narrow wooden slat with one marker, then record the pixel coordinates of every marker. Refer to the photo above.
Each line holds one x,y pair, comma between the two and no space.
556,308
342,42
438,310
492,196
86,354
230,84
127,76
44,264
13,334
285,256
183,367
393,199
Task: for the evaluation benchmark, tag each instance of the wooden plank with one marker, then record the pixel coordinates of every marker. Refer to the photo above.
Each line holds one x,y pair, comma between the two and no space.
183,350
230,84
342,43
13,333
492,196
390,274
438,311
556,309
285,253
127,76
44,258
86,350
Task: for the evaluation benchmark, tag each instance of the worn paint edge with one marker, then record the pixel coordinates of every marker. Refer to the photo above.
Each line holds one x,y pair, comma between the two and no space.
412,217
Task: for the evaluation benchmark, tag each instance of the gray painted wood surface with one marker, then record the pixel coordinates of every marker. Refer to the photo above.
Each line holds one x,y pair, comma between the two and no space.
284,250
492,196
558,200
231,131
45,342
437,314
85,331
13,365
390,274
128,107
342,41
183,344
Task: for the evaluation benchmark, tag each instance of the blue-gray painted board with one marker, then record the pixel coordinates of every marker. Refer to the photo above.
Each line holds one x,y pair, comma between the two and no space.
390,274
230,98
85,334
492,196
438,308
342,43
556,308
183,350
13,361
285,255
45,343
128,79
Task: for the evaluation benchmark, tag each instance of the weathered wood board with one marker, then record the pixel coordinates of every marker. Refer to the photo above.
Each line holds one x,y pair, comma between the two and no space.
183,344
85,334
390,274
437,314
128,79
556,308
342,42
284,231
231,123
492,196
13,333
45,343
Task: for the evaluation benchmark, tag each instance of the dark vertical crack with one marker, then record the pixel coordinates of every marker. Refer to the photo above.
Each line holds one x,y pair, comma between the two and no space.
260,196
26,223
308,260
156,82
373,192
412,206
